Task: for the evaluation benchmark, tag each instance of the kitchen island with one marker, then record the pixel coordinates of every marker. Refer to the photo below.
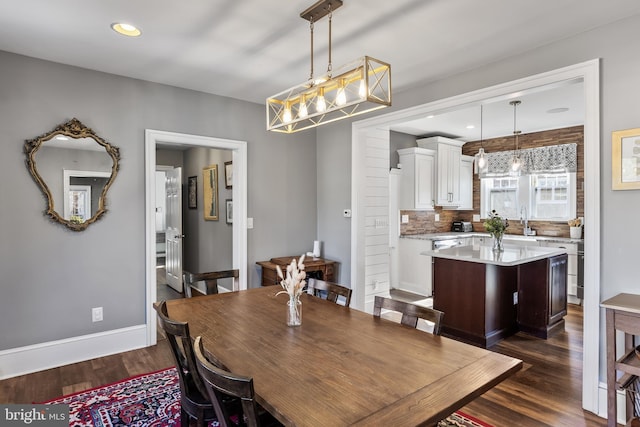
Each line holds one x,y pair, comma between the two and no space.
487,296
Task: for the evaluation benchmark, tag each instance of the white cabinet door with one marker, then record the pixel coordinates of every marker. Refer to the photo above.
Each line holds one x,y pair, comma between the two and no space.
466,183
418,172
448,175
414,270
425,166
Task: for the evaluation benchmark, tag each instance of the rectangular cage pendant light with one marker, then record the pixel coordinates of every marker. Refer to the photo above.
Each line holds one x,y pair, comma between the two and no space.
356,88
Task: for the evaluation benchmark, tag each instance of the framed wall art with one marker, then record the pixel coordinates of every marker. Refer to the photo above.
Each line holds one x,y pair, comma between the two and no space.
229,204
228,174
625,159
192,192
210,192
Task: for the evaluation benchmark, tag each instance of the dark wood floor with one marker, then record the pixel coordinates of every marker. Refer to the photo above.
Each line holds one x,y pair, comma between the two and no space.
546,392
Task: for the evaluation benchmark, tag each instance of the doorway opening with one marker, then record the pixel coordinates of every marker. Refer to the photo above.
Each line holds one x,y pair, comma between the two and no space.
154,138
374,132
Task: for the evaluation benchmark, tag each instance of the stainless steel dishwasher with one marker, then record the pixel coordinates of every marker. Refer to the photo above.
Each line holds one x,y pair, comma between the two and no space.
580,275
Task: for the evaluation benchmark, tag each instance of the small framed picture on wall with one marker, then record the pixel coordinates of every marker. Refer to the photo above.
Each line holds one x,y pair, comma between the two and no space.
229,204
192,192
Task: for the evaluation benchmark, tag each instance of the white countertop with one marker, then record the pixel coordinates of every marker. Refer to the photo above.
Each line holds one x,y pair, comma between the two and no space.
511,255
507,237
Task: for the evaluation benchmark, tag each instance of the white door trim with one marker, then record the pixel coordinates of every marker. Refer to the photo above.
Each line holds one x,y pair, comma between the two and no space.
589,72
239,152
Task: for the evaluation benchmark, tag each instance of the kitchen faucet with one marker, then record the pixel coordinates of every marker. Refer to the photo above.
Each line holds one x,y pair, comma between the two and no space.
524,219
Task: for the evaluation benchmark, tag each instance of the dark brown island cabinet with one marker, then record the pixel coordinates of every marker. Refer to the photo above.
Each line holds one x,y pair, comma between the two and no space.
488,296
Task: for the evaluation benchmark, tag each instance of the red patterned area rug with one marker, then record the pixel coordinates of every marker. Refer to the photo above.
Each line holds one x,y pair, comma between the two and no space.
154,400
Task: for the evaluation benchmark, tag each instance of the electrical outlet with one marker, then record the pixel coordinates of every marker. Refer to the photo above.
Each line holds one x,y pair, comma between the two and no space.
476,218
96,314
405,219
437,218
515,298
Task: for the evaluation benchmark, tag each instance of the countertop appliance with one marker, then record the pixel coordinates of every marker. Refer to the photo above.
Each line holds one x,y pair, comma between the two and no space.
461,226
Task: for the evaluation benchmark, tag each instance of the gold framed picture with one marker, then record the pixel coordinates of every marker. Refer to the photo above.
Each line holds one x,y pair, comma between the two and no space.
210,192
625,159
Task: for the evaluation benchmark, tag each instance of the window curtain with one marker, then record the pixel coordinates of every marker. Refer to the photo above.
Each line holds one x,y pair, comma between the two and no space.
553,158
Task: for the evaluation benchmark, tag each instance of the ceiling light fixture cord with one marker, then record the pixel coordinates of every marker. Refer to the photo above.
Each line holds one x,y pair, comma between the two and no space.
480,163
329,67
481,141
311,32
516,163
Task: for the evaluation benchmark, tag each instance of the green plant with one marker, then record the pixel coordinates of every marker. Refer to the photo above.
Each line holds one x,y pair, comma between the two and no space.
495,224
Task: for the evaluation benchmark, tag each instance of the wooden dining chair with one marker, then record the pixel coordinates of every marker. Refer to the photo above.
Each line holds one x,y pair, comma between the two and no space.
194,399
220,383
410,312
332,290
210,279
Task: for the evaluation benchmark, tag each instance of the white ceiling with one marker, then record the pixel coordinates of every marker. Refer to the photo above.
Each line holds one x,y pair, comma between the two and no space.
251,49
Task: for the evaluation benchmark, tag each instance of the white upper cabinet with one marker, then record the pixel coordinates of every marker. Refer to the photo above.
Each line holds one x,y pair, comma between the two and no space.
466,183
449,154
417,182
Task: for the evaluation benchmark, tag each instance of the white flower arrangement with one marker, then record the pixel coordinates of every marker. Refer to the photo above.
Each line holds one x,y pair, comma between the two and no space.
294,282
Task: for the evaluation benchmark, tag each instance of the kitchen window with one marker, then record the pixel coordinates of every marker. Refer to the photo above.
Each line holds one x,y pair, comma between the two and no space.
545,196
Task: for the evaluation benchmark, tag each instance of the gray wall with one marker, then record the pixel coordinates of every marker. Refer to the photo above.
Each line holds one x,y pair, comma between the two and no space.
620,89
207,244
51,276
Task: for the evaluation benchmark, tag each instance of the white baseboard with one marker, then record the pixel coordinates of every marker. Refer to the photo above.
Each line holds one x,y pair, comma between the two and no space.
38,357
621,404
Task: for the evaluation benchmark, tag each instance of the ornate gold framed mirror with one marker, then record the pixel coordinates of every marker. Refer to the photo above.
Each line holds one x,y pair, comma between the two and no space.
74,168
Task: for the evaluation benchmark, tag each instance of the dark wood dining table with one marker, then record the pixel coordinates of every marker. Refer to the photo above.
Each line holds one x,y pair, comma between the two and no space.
342,366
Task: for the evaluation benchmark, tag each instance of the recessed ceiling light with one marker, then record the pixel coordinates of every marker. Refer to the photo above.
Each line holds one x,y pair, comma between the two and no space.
126,29
557,110
471,127
431,116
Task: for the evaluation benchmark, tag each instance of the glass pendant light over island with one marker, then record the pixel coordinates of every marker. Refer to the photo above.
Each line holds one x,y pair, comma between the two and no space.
355,88
516,163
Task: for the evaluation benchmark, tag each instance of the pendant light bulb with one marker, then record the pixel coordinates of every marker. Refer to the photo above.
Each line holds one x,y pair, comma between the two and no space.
362,90
341,97
321,105
482,159
515,164
302,111
286,116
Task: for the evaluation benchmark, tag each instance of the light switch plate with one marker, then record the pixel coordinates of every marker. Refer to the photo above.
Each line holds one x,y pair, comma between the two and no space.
476,218
437,217
405,219
249,223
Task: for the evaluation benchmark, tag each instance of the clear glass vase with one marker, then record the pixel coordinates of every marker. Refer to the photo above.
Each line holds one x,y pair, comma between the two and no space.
294,312
497,242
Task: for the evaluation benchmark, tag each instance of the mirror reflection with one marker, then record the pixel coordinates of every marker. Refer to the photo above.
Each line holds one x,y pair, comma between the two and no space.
74,168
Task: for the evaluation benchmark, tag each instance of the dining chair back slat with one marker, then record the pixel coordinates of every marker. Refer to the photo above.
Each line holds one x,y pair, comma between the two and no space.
210,279
410,312
333,291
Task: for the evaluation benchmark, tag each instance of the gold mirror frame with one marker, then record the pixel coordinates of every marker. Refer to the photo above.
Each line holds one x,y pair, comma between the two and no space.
72,129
